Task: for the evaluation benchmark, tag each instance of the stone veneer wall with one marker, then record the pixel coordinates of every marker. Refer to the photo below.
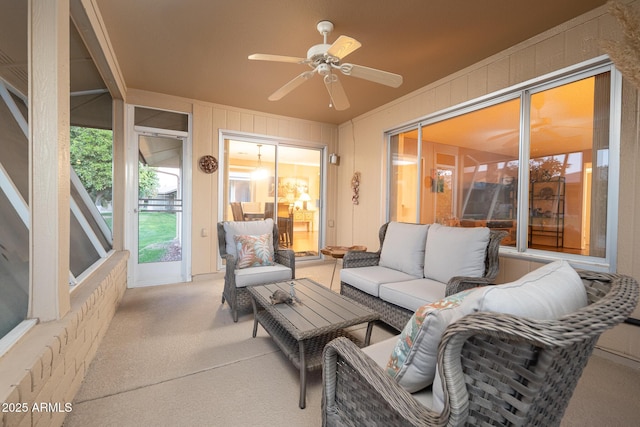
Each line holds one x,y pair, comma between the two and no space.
42,373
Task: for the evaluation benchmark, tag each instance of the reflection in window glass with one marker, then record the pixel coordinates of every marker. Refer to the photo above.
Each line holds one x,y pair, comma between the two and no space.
471,176
14,267
470,171
568,167
14,170
403,206
14,152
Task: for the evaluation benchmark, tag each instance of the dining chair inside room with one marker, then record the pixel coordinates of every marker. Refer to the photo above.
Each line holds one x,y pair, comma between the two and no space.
285,224
269,210
236,210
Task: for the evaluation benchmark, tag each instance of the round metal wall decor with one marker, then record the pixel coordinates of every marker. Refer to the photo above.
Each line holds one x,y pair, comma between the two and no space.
208,164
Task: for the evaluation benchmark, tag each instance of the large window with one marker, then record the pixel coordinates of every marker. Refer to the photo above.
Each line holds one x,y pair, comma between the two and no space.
464,167
14,173
90,105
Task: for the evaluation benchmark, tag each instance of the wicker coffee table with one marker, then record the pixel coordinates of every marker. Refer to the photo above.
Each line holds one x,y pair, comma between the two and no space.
302,329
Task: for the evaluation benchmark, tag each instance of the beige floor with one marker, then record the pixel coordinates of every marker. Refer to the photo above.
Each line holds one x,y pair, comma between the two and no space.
173,356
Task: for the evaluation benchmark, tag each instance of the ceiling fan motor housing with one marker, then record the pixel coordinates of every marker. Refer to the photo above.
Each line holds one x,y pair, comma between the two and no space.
318,54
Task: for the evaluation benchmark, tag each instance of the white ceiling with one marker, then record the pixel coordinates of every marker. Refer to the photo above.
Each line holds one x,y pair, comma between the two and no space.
198,48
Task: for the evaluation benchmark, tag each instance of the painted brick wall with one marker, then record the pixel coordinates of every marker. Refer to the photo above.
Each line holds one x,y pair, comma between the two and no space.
50,363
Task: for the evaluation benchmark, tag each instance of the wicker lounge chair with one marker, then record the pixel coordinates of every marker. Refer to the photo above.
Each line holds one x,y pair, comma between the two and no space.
396,316
496,369
235,293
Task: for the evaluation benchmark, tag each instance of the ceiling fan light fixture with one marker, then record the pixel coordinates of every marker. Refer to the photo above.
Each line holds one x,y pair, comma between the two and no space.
324,70
259,172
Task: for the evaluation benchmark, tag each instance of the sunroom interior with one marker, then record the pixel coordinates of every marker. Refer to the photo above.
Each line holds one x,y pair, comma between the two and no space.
424,156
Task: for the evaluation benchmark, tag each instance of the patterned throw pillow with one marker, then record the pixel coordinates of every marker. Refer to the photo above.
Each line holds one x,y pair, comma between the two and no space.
413,360
254,251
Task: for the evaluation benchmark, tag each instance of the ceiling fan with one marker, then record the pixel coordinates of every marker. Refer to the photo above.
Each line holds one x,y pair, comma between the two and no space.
325,59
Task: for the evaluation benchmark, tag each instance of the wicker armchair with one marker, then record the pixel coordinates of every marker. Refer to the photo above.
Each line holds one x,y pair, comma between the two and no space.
396,316
236,295
496,369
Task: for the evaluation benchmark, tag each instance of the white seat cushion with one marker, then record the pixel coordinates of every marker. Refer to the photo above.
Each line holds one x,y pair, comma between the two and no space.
380,351
369,279
455,251
262,274
412,294
403,247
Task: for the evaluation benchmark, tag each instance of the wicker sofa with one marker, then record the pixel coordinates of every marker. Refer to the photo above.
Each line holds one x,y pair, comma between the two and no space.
418,264
492,368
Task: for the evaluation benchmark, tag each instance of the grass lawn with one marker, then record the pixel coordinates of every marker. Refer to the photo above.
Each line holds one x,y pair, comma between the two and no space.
157,230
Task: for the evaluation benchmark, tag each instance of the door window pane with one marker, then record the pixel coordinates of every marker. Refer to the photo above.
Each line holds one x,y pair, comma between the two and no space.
275,181
161,119
299,189
159,199
250,180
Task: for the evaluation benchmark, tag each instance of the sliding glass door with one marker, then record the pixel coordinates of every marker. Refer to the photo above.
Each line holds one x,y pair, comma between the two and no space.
268,179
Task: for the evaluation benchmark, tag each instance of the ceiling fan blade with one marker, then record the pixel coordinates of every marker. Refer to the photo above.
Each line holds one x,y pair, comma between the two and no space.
277,58
336,92
343,46
371,74
297,81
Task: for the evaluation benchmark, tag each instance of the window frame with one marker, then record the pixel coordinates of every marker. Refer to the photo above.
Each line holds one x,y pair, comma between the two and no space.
523,91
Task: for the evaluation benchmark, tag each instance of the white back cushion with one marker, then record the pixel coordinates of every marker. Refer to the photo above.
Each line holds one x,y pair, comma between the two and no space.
403,247
233,228
548,293
455,251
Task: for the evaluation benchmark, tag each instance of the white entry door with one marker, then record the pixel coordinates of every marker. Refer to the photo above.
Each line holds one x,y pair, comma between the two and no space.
159,218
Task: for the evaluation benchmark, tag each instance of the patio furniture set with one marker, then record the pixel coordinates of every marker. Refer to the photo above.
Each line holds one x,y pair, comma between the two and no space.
467,353
419,264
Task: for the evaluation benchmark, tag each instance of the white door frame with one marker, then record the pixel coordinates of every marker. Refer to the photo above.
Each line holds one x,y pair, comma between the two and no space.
140,275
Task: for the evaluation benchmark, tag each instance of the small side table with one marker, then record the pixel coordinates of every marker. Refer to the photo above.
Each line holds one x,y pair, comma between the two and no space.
337,252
